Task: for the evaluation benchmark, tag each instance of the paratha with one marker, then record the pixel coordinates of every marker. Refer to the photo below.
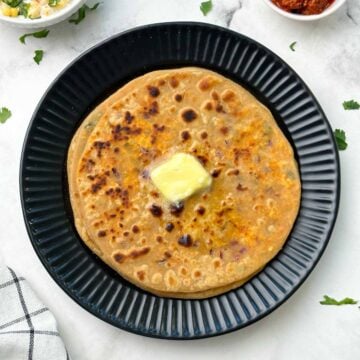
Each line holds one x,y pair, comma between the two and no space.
215,239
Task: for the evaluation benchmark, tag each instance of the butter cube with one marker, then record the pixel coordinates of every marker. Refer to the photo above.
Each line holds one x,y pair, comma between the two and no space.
180,176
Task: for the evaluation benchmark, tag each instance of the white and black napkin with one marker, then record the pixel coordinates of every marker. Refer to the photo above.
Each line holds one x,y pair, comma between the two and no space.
28,330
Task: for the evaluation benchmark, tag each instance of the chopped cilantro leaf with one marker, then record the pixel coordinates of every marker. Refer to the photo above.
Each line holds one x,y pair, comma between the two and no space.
12,3
206,7
53,3
81,14
331,301
292,45
5,114
38,34
340,138
24,9
351,105
38,56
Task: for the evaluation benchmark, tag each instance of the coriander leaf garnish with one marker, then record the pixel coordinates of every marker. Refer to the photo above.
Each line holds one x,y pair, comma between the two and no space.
206,7
292,45
5,114
38,56
94,7
351,105
331,301
12,3
38,34
24,9
340,138
53,3
81,14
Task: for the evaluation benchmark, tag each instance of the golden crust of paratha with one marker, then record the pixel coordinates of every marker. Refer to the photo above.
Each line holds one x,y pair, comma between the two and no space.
234,228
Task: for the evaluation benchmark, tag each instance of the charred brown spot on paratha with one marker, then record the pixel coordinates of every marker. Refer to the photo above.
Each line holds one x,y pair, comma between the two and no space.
240,187
152,110
178,97
100,182
215,173
128,117
159,128
115,172
133,255
140,275
102,233
89,165
220,109
177,208
174,82
185,240
135,229
156,210
216,263
188,115
224,130
123,132
119,257
154,194
208,106
215,95
185,135
153,91
206,83
240,153
227,95
200,210
203,159
232,172
203,135
100,146
156,130
169,227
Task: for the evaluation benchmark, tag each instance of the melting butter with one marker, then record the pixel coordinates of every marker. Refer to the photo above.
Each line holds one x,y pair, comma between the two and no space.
180,176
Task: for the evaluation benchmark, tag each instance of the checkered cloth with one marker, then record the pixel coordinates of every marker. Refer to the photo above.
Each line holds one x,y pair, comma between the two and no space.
27,328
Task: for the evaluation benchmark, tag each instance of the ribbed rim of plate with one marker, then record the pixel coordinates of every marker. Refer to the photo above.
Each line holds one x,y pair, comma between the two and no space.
92,77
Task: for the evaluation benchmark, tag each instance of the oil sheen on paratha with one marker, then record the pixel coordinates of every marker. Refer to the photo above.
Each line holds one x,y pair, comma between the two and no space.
235,227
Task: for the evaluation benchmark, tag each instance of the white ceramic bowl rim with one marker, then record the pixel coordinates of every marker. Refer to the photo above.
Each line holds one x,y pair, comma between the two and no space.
331,9
68,10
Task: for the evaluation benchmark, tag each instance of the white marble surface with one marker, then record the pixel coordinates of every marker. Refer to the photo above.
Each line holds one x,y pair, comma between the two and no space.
327,57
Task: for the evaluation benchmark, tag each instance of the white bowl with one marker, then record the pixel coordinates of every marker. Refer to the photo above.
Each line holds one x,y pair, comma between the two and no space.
330,10
58,16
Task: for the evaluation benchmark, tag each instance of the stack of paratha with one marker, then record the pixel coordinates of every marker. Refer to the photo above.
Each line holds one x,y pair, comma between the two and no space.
215,239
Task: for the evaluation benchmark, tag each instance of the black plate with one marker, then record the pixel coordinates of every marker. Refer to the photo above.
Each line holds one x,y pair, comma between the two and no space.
89,80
